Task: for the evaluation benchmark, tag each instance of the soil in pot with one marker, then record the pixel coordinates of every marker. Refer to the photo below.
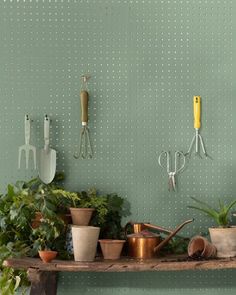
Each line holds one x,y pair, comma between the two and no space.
111,249
200,247
47,255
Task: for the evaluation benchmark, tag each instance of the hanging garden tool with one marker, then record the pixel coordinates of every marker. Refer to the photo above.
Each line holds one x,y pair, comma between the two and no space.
27,147
165,162
197,125
85,148
47,156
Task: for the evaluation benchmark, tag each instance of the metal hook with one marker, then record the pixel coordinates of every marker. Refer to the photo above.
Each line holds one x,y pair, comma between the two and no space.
84,85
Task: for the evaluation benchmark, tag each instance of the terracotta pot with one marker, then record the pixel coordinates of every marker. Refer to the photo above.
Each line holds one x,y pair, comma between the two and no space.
111,249
201,247
47,255
225,240
81,216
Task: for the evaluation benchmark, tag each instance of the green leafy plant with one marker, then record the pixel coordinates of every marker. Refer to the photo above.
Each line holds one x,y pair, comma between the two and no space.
109,209
18,207
47,235
24,200
219,215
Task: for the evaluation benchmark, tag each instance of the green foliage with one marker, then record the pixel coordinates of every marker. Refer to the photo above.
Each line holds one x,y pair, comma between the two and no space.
220,215
110,210
177,245
18,208
17,237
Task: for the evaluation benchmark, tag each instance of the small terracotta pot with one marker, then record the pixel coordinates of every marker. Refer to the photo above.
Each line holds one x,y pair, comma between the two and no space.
201,247
111,249
81,216
47,255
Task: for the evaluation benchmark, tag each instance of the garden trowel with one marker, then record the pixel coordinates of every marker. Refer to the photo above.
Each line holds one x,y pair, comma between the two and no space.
47,157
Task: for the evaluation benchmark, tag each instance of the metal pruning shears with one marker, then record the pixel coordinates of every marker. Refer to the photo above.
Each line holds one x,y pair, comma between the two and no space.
165,158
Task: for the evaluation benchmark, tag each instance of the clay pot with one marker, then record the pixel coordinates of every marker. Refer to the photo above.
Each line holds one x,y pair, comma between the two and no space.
111,249
81,216
85,240
201,247
47,255
225,240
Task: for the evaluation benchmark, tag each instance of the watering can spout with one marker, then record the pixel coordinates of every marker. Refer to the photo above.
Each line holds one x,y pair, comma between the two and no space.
166,240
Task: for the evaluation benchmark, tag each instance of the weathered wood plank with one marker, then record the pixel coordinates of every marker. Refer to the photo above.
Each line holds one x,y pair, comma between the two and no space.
178,263
42,282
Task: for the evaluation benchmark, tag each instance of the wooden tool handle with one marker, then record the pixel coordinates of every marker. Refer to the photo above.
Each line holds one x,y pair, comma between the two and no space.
197,111
84,97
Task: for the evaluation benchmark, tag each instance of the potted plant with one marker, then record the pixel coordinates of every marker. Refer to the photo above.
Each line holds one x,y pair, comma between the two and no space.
18,207
46,236
80,214
109,210
223,236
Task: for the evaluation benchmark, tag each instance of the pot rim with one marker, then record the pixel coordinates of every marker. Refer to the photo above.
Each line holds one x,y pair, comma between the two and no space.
222,228
82,209
111,241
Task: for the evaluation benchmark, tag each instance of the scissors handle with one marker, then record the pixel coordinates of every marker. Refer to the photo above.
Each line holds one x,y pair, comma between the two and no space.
165,154
178,153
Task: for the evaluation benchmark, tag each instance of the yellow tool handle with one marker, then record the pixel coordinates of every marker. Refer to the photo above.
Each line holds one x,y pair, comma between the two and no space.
197,111
84,97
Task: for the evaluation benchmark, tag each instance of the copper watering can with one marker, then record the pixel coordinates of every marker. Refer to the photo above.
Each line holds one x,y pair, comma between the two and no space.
144,244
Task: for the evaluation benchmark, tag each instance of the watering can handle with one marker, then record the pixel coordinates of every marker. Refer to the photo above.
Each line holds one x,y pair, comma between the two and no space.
159,228
164,242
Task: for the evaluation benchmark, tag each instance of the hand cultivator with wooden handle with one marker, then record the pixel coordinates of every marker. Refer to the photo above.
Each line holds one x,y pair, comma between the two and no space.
197,125
85,149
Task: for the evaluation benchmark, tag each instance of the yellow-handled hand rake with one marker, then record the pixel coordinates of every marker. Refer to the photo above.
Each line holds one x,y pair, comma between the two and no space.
197,125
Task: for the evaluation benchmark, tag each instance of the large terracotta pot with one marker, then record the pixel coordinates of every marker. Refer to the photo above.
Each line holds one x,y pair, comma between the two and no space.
225,241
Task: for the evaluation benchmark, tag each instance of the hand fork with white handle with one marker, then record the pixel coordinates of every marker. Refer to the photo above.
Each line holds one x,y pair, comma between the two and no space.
27,147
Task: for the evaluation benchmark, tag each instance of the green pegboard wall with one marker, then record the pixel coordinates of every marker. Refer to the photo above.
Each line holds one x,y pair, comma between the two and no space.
146,60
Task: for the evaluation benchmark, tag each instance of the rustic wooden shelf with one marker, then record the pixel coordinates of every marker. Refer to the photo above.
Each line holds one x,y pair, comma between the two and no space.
169,263
43,275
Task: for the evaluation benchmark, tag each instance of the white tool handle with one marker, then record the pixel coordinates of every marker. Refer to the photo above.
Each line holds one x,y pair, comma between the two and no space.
27,129
46,132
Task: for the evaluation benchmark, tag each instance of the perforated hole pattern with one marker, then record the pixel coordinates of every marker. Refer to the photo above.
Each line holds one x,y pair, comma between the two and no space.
146,58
